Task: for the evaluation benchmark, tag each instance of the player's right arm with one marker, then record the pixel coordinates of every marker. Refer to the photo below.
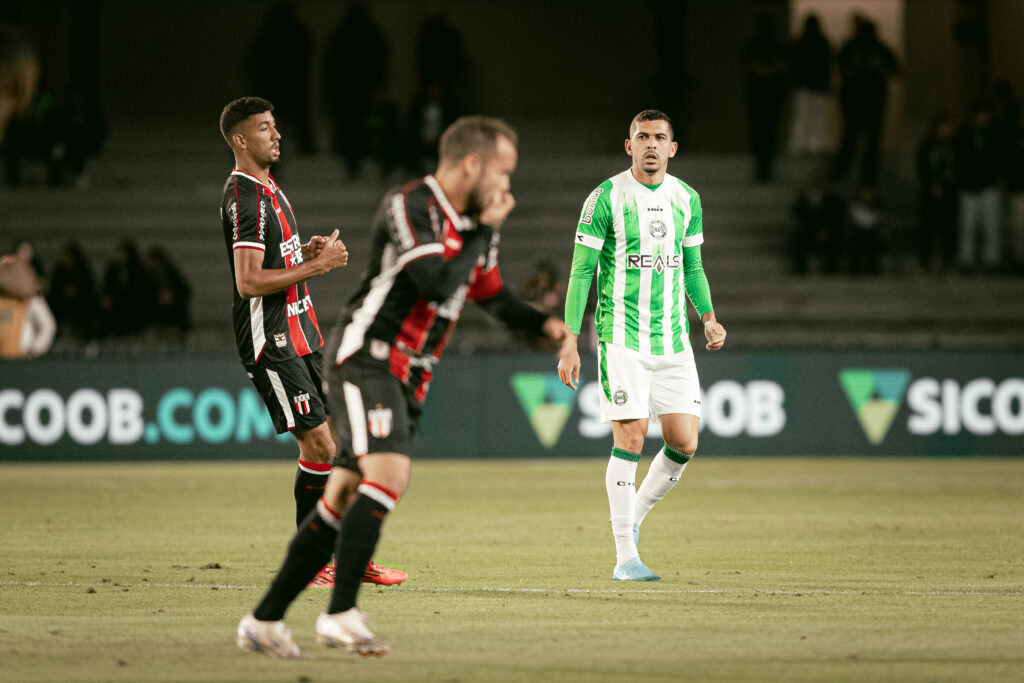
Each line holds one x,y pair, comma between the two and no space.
253,280
248,248
595,220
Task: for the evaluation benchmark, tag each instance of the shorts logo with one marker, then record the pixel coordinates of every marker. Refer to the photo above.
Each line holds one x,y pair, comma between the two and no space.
620,397
301,404
281,339
657,229
380,420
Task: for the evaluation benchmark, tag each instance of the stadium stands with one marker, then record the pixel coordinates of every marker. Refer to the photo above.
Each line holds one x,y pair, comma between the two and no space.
166,189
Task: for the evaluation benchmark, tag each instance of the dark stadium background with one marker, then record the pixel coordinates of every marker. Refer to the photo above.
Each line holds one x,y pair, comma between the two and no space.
569,76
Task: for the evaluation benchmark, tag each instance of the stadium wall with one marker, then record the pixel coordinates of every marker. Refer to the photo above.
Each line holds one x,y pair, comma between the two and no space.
923,404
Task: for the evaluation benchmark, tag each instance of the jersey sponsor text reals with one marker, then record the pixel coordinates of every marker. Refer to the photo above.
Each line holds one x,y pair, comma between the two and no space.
656,262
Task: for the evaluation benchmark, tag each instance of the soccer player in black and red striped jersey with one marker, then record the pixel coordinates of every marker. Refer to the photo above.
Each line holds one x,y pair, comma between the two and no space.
276,329
434,245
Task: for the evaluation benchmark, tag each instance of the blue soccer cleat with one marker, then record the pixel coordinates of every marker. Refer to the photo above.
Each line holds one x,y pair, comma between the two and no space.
634,570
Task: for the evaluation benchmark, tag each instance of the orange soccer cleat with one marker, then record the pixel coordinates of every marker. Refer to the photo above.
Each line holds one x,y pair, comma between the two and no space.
325,578
383,576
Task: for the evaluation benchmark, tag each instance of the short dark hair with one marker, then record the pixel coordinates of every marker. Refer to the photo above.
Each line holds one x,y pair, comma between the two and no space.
470,134
652,115
239,110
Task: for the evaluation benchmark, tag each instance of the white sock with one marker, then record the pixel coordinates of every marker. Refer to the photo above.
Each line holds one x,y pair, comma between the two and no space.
620,483
661,477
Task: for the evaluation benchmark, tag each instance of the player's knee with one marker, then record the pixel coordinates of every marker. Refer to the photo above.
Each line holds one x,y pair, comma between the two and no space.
687,445
630,442
317,446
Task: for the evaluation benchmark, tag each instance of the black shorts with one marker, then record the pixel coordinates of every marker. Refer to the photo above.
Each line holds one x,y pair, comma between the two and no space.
374,412
293,391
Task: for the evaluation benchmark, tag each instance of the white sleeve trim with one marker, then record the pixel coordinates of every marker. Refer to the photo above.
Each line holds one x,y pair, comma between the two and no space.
429,249
249,245
589,240
694,240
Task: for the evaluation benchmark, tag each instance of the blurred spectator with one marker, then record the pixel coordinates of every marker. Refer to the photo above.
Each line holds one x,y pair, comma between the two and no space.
73,298
766,73
85,131
865,64
19,74
811,65
546,292
171,294
820,214
63,130
280,65
27,326
1015,191
126,292
442,60
383,133
431,112
866,233
355,68
1005,113
936,173
977,164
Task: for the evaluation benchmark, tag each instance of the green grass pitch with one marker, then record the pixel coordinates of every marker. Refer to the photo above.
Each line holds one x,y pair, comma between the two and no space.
775,570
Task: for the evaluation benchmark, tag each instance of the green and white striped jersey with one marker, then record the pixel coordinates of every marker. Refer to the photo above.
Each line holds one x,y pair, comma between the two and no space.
641,233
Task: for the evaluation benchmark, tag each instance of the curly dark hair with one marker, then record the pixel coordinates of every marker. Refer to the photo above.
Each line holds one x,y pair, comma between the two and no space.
239,110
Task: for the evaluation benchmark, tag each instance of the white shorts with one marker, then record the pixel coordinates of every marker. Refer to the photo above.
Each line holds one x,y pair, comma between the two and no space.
638,385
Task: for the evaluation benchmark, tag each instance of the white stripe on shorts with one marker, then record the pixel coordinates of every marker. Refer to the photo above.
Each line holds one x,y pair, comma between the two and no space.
356,418
282,398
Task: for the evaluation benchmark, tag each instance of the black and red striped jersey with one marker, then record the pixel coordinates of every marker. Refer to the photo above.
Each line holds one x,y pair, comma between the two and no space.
277,326
425,261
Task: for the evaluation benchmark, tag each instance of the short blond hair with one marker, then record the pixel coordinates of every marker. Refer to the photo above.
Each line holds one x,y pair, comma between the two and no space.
470,134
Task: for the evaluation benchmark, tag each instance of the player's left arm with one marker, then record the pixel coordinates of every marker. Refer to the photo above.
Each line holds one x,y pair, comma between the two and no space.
489,291
695,281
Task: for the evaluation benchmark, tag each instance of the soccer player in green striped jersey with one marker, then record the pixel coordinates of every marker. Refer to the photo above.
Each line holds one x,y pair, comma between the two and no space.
642,230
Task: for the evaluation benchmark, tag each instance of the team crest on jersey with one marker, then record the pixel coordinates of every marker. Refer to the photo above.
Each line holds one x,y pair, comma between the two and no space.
281,339
380,421
588,211
620,397
301,404
657,228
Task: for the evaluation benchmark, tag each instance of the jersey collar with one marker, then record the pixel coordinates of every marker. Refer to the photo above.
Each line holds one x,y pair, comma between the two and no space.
272,187
460,222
